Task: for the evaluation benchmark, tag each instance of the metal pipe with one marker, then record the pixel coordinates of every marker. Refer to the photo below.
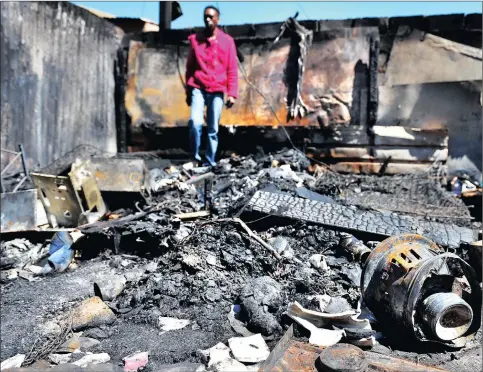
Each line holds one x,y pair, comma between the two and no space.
10,151
20,184
165,15
10,164
24,161
355,247
447,315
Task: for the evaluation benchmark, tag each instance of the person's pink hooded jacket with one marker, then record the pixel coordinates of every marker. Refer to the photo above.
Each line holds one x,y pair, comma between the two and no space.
212,65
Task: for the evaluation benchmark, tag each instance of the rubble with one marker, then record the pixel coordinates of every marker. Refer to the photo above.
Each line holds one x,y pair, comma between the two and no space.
77,343
90,359
91,313
174,286
107,289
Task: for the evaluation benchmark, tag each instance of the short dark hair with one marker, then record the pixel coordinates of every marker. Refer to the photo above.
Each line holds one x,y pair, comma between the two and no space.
214,8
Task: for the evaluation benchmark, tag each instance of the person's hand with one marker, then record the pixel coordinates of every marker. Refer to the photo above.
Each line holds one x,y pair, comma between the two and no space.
230,101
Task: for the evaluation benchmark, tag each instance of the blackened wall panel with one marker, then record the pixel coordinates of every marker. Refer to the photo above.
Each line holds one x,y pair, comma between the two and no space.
57,79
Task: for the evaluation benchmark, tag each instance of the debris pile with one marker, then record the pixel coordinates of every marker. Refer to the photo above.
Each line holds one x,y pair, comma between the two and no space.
209,269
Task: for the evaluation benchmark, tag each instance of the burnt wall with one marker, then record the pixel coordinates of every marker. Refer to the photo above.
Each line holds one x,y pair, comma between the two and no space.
57,79
335,83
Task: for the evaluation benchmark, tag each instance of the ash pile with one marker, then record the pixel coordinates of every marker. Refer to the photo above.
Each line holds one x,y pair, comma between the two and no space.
235,267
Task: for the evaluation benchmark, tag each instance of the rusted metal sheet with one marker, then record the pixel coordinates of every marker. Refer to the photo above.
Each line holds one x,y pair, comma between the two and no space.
71,200
336,68
83,179
128,175
374,167
57,80
59,199
291,355
418,58
19,210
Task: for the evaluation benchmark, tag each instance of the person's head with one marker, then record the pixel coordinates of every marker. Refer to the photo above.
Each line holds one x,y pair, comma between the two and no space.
211,17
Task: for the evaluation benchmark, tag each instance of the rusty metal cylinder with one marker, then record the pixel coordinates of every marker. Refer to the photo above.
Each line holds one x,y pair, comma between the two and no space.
354,247
447,315
412,285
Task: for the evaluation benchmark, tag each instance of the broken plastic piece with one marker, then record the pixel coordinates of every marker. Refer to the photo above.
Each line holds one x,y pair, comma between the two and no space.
133,363
308,319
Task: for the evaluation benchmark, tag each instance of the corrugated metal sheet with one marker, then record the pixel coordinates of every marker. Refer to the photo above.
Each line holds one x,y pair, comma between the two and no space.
57,79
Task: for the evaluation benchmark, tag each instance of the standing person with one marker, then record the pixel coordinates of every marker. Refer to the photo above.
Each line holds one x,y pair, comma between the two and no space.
211,73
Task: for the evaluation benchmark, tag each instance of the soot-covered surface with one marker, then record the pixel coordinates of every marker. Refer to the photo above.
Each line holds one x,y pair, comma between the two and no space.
198,270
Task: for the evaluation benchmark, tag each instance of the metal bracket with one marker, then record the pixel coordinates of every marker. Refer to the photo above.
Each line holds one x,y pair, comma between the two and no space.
20,154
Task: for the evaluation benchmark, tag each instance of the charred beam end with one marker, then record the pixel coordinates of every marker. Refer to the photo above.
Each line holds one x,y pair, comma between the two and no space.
165,15
120,75
373,82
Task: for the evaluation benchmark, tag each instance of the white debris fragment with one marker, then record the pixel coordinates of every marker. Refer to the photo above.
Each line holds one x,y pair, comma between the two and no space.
252,349
37,270
151,267
211,259
228,365
10,274
27,275
218,353
318,336
59,358
346,319
191,260
365,342
318,262
220,360
92,359
170,324
188,166
314,320
13,362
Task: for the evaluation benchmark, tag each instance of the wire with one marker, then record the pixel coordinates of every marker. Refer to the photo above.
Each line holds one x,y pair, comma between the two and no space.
142,11
302,9
278,119
274,113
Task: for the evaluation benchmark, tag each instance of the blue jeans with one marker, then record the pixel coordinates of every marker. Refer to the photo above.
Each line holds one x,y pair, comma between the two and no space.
214,106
